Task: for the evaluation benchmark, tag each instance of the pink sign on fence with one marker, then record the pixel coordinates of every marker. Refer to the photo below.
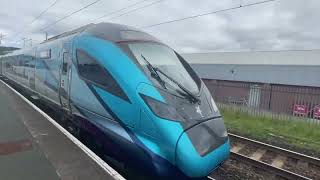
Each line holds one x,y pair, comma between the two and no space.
299,109
316,112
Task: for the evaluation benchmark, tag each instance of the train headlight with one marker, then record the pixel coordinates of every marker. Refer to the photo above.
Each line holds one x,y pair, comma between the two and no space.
161,109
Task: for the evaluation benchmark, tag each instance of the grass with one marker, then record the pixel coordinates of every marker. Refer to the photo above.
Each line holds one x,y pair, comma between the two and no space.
292,132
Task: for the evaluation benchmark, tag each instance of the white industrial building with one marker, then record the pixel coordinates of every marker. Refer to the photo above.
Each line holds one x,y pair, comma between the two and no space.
295,67
277,81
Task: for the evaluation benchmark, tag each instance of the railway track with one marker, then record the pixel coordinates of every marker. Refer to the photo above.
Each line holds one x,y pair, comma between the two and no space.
278,161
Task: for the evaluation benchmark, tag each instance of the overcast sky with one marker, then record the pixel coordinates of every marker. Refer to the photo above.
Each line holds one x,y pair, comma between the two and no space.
279,25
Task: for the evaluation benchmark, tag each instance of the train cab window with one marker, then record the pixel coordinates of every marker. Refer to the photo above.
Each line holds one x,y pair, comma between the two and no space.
90,70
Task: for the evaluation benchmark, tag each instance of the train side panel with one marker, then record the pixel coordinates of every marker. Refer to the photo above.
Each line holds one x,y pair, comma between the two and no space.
38,69
47,75
20,67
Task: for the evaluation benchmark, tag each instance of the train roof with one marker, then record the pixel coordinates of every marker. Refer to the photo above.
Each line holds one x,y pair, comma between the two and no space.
109,31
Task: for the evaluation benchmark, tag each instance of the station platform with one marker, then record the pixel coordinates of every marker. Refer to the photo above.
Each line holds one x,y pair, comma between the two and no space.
32,147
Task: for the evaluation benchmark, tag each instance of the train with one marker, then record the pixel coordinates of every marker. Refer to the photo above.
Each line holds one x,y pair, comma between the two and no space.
137,99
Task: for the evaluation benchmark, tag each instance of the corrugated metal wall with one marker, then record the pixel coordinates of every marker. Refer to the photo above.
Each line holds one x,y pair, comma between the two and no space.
293,57
273,74
278,99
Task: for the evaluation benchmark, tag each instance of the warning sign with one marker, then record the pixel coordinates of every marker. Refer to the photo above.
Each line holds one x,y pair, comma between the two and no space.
299,109
316,112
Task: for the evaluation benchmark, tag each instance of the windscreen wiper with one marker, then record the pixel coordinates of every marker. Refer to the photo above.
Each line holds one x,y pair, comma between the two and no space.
154,73
193,97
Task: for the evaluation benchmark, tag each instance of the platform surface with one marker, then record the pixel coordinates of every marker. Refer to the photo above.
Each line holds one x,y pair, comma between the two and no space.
33,148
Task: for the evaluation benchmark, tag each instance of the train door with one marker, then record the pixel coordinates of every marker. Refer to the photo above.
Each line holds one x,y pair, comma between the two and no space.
32,70
1,67
65,77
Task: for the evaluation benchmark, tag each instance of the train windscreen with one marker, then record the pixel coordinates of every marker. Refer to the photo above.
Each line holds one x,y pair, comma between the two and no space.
166,65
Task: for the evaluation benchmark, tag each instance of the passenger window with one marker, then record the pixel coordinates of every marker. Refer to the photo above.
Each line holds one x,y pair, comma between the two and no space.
91,70
64,68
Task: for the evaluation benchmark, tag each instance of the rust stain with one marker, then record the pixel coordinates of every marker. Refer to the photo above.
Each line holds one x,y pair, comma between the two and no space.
15,147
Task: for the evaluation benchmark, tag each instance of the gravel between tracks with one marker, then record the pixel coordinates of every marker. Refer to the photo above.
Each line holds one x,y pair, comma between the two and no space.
235,170
268,157
248,150
310,171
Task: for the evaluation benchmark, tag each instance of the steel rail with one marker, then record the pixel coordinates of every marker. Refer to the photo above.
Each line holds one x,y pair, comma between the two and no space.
278,150
267,167
211,178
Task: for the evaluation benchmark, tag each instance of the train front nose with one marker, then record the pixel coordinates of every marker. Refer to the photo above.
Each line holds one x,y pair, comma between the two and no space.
202,148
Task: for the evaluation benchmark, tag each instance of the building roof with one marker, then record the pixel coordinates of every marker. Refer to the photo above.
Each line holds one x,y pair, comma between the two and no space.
301,68
290,57
272,74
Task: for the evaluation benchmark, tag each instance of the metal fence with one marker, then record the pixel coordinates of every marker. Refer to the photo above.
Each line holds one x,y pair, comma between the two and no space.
275,101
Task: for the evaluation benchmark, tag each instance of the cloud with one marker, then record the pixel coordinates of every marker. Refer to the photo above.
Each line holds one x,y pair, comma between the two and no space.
283,24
